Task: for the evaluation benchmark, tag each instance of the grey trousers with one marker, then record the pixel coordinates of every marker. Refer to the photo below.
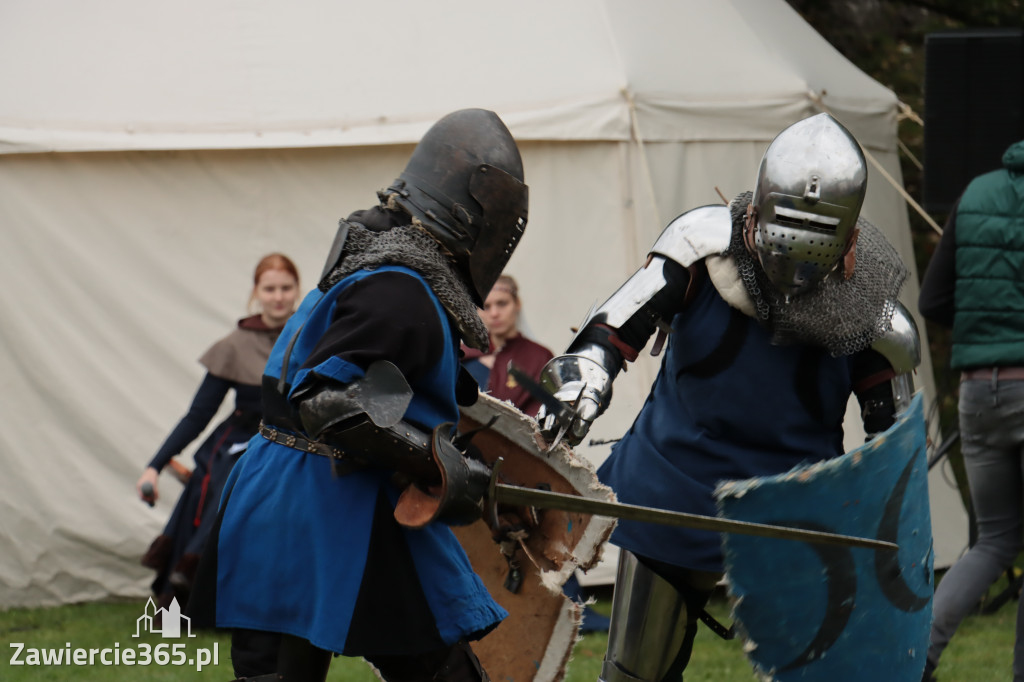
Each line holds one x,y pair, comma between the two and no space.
992,443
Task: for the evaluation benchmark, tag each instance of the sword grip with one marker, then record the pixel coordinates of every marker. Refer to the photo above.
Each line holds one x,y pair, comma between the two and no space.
147,494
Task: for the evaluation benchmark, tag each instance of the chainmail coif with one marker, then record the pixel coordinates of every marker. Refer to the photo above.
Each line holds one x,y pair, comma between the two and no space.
412,247
842,315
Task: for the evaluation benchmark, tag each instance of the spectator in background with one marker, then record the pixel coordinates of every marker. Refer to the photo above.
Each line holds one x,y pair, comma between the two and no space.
501,316
234,362
975,284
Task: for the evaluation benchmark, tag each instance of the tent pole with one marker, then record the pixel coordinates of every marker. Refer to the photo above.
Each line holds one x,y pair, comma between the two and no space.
634,124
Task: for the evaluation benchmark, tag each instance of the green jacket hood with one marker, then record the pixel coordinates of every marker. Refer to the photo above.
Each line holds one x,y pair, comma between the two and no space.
1013,159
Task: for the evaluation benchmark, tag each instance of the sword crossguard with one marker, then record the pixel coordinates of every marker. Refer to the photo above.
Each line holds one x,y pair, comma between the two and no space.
491,503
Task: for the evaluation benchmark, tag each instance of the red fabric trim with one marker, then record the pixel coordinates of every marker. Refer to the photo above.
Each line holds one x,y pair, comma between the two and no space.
202,502
628,352
206,479
873,380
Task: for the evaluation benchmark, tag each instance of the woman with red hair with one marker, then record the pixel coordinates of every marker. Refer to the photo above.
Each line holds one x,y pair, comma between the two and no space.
236,363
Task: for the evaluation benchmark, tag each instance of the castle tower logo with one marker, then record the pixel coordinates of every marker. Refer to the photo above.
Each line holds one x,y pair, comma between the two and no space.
170,621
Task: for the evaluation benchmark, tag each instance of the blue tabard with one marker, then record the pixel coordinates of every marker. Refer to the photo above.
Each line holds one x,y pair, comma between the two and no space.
294,538
760,411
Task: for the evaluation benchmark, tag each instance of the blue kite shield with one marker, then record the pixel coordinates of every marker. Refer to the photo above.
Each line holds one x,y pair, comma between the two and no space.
815,612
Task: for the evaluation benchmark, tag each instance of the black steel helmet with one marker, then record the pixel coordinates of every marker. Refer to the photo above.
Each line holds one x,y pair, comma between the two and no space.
464,183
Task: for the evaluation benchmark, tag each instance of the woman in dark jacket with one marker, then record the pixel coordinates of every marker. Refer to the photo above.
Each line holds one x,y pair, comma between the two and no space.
234,362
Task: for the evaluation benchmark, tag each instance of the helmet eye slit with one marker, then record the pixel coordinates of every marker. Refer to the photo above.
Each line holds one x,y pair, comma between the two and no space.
804,224
821,227
786,221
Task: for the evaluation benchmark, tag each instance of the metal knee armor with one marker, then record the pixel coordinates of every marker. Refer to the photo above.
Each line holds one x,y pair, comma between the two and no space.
648,626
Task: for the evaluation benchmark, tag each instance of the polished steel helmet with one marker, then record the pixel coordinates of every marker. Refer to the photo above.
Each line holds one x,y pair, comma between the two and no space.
464,184
807,199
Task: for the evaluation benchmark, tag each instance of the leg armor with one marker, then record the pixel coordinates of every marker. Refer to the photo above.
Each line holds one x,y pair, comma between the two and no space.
653,622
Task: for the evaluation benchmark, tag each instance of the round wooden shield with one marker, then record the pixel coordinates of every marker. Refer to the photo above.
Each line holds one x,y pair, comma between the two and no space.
535,642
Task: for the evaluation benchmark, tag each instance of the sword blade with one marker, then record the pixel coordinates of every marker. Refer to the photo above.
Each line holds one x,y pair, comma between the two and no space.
546,499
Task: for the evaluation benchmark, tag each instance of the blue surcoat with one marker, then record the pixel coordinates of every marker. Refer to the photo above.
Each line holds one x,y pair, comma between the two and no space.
294,538
755,410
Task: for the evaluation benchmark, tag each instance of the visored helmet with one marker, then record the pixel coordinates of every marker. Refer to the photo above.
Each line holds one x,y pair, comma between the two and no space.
464,183
808,196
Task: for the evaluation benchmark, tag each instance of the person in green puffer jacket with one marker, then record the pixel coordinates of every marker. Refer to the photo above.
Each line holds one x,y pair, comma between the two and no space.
975,284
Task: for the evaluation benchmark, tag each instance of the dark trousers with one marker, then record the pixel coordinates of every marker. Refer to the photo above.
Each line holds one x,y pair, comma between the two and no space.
255,653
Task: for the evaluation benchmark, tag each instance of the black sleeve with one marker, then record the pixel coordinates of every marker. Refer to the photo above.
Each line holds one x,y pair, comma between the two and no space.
664,305
204,406
872,375
938,287
385,316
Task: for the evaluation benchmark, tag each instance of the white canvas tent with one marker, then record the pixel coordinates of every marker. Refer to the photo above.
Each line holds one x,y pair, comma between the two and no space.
151,152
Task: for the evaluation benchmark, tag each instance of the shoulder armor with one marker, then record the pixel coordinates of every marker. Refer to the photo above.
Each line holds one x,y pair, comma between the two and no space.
693,236
334,255
696,234
901,345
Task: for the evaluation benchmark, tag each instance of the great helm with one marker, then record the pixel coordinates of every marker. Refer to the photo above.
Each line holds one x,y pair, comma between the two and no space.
464,184
809,191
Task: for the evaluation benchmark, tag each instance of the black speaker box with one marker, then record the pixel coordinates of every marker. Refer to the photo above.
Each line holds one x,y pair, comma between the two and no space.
974,108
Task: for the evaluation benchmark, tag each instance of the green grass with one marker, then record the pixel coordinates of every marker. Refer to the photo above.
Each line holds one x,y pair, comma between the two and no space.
981,650
714,659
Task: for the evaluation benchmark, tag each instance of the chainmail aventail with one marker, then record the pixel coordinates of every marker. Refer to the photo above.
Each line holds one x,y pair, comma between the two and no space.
410,246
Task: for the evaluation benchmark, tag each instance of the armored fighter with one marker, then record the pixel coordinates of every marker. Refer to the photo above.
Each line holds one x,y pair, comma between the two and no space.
308,544
771,312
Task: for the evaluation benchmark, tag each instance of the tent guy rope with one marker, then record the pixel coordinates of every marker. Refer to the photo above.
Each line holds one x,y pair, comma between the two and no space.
817,98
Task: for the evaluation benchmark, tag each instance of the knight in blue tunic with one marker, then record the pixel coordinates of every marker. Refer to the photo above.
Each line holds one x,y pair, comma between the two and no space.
308,544
775,309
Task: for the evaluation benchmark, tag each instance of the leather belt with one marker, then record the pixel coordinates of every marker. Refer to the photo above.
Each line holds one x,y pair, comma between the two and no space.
986,373
299,443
